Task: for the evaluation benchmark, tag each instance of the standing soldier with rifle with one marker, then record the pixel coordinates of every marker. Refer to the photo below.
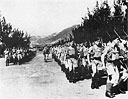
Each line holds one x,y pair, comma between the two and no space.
109,58
71,58
94,60
6,53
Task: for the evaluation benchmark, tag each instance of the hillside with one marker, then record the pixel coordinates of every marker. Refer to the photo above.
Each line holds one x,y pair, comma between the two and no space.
56,36
34,38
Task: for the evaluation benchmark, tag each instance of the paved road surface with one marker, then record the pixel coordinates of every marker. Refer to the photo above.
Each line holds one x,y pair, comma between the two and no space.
39,80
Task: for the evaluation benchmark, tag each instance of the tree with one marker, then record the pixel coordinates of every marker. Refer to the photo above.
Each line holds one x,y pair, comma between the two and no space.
101,24
13,37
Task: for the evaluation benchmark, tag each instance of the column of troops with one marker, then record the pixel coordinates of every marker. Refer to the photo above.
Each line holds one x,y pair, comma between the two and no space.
18,55
103,63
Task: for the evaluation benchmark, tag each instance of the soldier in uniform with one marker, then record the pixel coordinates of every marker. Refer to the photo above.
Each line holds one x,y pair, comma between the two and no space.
46,53
19,55
6,53
85,53
94,60
109,58
87,69
71,59
14,55
122,66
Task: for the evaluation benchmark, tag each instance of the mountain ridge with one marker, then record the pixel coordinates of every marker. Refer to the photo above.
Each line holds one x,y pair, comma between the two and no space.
65,33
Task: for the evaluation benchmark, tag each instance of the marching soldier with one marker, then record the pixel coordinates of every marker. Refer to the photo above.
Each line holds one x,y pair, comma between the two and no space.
70,56
85,53
110,56
94,60
122,66
14,55
87,69
46,53
6,53
19,55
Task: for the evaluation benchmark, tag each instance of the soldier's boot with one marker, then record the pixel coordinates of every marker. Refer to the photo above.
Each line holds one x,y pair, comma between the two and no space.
120,87
92,84
109,90
71,76
7,62
95,81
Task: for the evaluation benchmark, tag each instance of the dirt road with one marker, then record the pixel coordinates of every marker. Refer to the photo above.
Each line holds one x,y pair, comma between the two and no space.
39,80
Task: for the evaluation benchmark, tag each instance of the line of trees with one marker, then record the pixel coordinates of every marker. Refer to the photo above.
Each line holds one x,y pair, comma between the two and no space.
103,23
10,37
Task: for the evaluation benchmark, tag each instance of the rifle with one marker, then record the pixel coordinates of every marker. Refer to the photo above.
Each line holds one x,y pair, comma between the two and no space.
124,66
101,40
125,32
108,34
117,35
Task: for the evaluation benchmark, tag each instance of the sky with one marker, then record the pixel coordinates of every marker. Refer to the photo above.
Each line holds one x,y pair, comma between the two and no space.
44,17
